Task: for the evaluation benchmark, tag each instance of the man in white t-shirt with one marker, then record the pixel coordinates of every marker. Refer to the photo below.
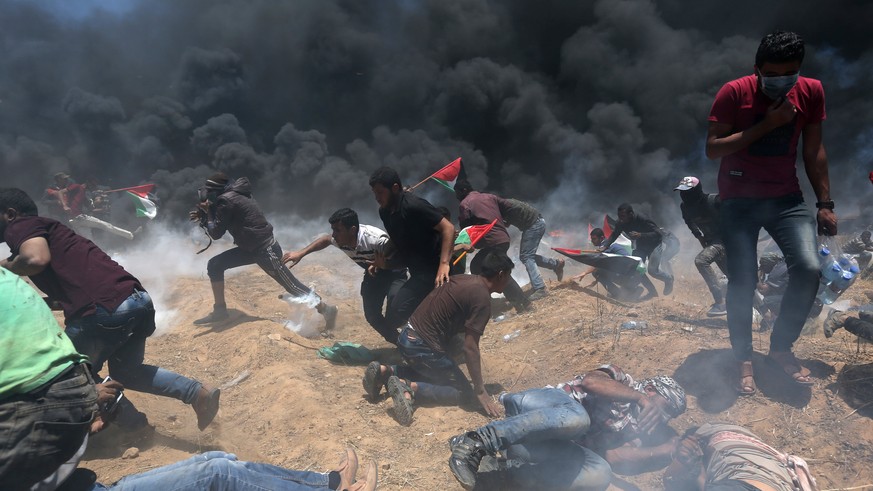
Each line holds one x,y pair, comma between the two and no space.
368,247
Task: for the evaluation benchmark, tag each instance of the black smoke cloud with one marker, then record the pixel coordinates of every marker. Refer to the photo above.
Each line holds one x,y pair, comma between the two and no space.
577,106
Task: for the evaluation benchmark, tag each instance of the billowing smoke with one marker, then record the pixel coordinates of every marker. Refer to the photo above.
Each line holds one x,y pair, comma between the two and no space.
576,106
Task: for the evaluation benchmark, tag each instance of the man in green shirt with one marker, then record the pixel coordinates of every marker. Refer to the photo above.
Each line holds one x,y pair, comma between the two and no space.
47,396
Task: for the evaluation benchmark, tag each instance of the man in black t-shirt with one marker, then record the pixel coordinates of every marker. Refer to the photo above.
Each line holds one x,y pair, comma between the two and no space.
461,306
651,243
422,236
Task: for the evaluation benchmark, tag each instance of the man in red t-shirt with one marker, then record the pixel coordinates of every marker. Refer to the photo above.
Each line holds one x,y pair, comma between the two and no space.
754,127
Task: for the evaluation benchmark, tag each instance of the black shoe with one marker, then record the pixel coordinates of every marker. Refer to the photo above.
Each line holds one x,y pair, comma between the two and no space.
717,310
467,453
329,312
217,315
538,295
866,316
668,287
832,322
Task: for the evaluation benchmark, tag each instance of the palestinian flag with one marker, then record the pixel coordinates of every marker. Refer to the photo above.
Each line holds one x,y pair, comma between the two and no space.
142,200
624,243
610,262
450,174
472,234
607,225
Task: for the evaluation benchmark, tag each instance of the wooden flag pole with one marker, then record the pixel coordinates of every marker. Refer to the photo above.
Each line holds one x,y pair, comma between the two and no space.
422,182
459,258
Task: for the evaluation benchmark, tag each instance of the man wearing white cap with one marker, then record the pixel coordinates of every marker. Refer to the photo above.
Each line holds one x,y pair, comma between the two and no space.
700,212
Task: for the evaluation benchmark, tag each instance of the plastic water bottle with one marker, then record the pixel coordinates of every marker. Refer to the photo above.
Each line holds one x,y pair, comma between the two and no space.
634,325
837,287
830,268
514,334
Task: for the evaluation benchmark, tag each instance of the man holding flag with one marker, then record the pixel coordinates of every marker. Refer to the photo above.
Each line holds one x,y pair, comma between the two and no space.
477,208
423,238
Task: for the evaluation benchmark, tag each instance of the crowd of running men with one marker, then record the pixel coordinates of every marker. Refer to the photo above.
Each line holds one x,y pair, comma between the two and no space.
572,435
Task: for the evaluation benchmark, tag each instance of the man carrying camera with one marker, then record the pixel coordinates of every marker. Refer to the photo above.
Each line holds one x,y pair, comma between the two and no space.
229,207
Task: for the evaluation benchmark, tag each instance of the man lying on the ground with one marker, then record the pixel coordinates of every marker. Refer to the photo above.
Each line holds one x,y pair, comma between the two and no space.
430,376
861,248
362,243
618,422
45,384
725,457
618,286
861,326
107,312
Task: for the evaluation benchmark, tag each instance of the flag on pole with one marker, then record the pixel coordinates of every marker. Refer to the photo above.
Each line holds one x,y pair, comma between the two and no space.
145,207
610,262
450,174
607,229
472,234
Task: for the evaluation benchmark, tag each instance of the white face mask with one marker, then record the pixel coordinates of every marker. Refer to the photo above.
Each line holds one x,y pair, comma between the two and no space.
776,87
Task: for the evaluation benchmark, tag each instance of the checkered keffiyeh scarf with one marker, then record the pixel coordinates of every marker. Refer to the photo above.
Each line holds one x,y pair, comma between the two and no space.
616,416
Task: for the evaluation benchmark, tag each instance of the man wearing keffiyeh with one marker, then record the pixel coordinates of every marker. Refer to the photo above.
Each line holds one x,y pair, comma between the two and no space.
572,436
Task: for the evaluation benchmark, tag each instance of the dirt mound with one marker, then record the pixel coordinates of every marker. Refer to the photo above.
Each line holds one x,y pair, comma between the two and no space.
293,409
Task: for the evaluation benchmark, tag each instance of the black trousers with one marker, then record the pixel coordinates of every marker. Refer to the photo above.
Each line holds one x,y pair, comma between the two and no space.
269,259
406,300
375,290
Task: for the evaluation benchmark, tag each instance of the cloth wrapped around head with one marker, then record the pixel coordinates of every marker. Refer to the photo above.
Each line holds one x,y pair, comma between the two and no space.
669,389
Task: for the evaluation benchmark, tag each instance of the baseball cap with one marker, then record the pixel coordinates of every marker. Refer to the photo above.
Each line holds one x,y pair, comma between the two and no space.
687,183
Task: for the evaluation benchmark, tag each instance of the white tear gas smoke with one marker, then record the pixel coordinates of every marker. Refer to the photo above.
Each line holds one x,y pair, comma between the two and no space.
577,106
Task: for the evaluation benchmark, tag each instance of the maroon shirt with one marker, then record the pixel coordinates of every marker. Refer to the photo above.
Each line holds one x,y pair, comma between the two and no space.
80,276
766,168
481,209
463,304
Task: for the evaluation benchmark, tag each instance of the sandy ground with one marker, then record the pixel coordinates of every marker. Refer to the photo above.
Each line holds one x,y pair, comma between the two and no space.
296,410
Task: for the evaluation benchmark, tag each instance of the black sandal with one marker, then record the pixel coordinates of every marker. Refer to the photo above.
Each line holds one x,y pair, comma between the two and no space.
374,380
403,407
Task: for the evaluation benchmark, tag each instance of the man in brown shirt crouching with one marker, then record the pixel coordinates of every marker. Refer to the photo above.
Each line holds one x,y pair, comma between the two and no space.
429,375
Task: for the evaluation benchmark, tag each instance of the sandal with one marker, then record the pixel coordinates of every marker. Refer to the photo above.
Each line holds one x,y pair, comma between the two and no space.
746,386
374,380
789,364
403,407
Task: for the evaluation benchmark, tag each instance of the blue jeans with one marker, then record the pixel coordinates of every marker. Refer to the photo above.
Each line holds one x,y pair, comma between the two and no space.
118,338
530,242
792,226
439,379
537,436
219,471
